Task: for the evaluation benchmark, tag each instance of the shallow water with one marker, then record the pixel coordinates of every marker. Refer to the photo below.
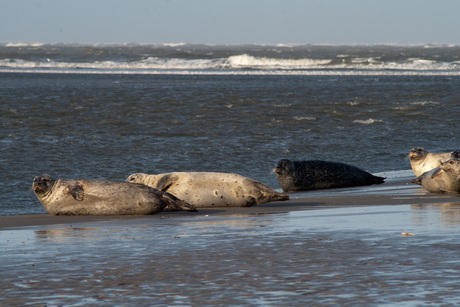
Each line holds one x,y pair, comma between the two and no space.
354,255
110,126
97,111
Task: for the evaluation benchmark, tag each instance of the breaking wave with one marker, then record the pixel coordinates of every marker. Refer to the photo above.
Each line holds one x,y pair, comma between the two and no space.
203,59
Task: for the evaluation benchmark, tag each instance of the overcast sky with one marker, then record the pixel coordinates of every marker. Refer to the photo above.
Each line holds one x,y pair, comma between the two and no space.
231,21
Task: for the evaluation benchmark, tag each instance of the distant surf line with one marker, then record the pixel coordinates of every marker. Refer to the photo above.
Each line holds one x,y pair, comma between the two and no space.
234,72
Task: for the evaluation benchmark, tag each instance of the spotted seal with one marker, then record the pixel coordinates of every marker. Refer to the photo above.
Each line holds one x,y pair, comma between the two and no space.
443,179
102,197
422,161
210,189
316,174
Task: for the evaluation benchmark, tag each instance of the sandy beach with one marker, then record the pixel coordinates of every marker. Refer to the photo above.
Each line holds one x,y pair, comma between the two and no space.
390,244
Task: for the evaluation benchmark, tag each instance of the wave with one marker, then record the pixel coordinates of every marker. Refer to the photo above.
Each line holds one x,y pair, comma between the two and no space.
234,72
247,61
24,44
237,62
186,58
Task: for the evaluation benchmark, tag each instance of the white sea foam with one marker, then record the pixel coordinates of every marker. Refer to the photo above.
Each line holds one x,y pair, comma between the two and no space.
174,44
24,44
353,103
424,103
367,121
205,59
239,65
248,61
304,118
81,70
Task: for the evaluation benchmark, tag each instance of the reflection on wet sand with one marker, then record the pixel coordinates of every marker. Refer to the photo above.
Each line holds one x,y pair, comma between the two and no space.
347,256
63,235
242,220
448,213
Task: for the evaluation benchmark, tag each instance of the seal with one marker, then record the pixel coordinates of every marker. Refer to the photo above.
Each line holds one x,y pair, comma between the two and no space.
317,174
443,179
210,189
422,161
455,154
102,197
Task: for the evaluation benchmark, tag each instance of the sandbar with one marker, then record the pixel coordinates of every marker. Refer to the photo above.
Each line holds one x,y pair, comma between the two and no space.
389,244
395,192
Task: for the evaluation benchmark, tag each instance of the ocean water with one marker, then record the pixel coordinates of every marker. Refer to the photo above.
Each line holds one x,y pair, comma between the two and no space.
107,111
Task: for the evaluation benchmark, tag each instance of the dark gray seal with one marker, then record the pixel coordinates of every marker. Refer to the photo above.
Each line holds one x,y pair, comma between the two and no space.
443,179
316,174
102,197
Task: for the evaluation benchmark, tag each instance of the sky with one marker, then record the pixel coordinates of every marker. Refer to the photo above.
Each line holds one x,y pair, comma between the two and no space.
231,21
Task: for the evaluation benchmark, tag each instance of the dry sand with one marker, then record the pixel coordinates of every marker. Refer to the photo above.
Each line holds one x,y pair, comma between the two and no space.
280,253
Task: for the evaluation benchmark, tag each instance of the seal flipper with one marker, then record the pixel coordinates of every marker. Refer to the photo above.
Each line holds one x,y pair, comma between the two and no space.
377,179
265,193
165,182
77,192
436,172
177,204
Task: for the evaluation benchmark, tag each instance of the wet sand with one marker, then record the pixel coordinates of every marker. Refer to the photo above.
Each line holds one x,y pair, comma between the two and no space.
342,246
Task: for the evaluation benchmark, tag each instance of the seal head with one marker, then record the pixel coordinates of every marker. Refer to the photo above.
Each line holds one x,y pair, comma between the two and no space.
43,185
443,179
417,154
455,154
422,161
452,167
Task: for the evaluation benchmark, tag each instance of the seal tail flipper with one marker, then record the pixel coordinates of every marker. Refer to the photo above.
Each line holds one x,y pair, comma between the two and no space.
378,180
265,198
268,194
280,197
176,204
417,180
